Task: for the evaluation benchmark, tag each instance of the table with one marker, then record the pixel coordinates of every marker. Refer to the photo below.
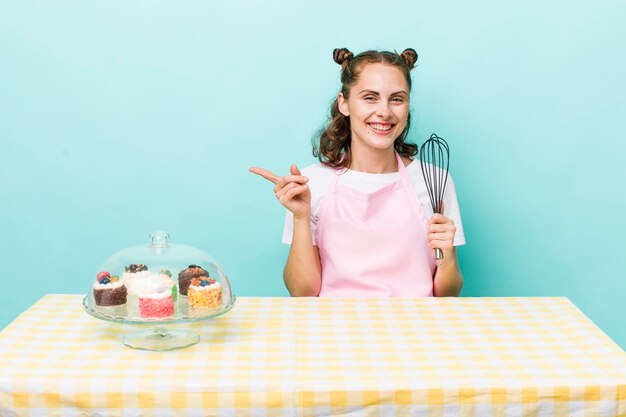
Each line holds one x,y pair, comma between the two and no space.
309,356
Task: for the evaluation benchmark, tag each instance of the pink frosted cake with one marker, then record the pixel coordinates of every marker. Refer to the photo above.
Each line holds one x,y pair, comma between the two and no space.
109,290
156,307
155,297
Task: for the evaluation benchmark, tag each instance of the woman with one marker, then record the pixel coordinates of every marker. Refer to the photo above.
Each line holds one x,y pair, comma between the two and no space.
358,221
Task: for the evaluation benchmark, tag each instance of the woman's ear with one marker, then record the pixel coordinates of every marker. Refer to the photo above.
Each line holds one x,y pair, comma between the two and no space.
342,103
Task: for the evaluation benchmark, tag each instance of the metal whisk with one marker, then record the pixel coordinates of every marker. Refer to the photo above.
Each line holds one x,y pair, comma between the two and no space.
435,161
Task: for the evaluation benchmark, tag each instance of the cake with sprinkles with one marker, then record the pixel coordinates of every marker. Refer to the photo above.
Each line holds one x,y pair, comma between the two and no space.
204,292
109,290
133,274
186,275
155,297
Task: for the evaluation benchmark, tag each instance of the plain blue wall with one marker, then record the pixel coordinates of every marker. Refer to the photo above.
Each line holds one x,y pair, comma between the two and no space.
120,118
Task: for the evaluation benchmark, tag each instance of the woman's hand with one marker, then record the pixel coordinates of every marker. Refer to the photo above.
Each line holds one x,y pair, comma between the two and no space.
291,190
448,279
441,231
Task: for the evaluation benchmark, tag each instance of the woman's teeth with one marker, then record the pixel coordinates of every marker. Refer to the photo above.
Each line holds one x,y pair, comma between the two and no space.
380,127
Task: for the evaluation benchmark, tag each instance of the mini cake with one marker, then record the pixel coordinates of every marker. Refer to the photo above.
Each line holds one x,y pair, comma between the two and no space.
134,273
166,276
109,290
155,297
186,275
205,292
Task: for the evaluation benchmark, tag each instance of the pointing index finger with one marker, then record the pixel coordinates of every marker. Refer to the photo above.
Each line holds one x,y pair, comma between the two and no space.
268,175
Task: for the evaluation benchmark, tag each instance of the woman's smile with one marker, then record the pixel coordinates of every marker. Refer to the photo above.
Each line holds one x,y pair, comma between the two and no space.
382,129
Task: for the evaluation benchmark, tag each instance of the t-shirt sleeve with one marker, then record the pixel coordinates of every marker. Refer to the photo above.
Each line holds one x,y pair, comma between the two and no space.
288,228
452,210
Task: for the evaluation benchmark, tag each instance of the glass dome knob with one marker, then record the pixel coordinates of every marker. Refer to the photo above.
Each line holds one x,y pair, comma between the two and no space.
159,239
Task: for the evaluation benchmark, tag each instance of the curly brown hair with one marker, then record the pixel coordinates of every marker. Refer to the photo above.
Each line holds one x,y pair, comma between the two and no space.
332,142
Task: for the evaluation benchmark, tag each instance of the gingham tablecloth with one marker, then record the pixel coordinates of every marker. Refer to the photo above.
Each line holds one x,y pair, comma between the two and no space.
310,356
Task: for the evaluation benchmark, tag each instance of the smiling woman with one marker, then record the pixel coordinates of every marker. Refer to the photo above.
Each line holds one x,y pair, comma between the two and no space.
358,222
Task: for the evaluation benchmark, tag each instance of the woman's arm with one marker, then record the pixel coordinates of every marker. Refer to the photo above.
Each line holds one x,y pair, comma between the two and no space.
302,274
448,277
448,280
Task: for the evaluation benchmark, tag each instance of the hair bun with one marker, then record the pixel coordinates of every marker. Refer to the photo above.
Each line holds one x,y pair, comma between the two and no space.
341,55
410,57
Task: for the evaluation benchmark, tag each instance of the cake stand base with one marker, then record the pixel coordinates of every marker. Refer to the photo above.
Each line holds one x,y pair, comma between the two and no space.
159,339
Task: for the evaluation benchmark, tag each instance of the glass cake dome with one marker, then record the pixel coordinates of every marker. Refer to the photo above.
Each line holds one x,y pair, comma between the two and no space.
159,283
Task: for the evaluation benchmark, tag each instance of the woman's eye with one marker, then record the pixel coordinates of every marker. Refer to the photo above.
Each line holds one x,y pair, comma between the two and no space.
397,100
369,98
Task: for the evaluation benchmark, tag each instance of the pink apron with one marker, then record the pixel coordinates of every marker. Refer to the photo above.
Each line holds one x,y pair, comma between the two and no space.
376,244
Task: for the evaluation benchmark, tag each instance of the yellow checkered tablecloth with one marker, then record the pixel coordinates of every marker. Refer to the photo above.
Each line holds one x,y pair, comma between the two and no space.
310,356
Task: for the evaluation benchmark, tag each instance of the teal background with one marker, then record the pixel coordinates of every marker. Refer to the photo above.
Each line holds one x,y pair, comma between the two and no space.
118,118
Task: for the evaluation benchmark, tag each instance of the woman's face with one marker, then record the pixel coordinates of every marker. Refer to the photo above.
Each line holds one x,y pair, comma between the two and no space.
378,106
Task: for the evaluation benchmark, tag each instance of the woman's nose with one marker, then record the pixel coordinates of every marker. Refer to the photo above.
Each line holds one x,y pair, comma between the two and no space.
383,109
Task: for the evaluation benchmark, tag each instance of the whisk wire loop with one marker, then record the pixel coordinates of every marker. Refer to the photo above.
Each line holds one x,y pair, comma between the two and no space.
435,162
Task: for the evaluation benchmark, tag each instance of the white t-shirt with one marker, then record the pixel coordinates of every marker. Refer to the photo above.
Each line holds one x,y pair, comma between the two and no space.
320,177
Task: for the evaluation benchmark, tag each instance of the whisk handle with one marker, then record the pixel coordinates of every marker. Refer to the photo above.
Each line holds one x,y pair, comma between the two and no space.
438,256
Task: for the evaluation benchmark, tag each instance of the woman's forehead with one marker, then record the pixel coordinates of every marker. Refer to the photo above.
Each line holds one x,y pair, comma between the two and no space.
380,77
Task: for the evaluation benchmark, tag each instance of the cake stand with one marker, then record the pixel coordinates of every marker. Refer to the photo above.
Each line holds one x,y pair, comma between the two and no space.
147,285
158,337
